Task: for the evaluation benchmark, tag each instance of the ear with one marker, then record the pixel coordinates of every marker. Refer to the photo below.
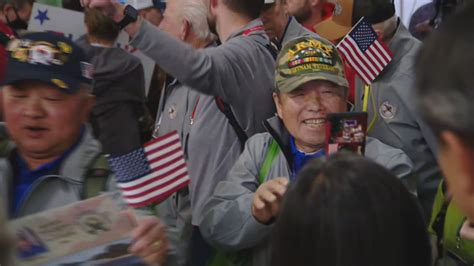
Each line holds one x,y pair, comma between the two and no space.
185,30
213,4
463,155
277,101
314,3
379,33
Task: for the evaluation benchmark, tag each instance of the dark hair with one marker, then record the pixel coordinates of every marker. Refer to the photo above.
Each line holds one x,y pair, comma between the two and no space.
349,211
445,80
249,8
100,26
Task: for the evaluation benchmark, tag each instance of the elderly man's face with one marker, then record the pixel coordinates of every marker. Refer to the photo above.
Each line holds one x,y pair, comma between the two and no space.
304,111
41,120
172,21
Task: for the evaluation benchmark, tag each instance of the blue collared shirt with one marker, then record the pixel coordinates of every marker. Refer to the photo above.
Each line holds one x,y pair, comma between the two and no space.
25,178
300,158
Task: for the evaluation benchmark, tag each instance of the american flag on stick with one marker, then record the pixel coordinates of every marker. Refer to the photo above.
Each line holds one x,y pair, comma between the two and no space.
364,52
151,173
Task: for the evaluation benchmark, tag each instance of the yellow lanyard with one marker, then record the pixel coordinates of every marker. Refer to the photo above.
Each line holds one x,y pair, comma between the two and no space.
365,107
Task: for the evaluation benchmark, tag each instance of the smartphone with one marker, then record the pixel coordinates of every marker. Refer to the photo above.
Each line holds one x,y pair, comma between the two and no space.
346,131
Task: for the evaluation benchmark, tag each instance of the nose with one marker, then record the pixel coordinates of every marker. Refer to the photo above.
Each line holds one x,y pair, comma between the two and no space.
314,102
34,108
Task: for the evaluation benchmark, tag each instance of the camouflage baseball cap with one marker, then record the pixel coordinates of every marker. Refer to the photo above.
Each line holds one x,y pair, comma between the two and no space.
305,59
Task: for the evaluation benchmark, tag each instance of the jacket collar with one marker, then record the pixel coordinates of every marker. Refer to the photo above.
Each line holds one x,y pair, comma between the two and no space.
277,130
77,162
401,43
251,25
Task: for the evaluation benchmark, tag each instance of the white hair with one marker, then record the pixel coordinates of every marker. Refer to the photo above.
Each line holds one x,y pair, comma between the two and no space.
195,13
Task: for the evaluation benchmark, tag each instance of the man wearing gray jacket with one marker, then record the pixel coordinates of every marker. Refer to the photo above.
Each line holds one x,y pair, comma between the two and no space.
240,72
310,84
392,96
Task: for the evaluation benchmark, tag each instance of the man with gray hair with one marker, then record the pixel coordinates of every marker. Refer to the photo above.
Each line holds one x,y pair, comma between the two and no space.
179,104
239,73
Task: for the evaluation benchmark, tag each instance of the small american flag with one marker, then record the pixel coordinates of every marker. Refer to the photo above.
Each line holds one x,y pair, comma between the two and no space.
366,55
151,173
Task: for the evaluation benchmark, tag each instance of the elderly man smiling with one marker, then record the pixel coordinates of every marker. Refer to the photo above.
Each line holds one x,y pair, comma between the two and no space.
310,84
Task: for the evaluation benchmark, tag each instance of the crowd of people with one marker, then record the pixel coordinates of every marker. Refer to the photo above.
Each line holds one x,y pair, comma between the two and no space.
248,85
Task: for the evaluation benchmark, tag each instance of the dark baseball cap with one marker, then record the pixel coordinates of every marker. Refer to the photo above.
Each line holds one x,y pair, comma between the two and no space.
48,57
348,12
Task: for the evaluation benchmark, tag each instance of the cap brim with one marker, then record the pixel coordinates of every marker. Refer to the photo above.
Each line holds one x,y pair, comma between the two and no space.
39,73
331,30
295,82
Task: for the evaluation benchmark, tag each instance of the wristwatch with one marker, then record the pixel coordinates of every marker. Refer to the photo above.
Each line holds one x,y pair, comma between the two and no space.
131,15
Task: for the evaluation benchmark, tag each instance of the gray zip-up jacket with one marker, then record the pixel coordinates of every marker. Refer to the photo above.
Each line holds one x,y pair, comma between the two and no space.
398,122
228,222
53,191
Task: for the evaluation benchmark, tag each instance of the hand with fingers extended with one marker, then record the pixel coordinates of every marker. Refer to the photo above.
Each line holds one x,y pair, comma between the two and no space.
267,199
149,241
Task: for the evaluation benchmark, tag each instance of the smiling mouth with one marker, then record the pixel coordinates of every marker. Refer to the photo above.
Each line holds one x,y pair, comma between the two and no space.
315,123
35,129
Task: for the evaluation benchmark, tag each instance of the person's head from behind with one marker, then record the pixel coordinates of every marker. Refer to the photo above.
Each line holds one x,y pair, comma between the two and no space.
379,13
151,10
274,18
100,28
310,83
349,210
445,91
186,20
46,95
16,13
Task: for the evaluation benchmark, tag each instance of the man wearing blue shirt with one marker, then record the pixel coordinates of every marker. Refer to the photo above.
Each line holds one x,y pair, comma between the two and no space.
310,83
45,164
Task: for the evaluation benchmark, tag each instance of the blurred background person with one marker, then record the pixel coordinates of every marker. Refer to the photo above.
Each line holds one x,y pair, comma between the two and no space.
119,86
445,91
16,14
349,210
279,26
430,16
309,12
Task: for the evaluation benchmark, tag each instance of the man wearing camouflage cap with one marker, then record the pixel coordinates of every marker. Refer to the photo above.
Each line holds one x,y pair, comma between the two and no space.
310,83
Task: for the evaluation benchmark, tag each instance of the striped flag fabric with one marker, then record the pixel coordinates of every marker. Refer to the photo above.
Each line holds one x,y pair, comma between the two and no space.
153,172
364,52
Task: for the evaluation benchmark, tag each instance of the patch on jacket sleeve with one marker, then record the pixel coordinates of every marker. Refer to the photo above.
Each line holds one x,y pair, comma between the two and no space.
387,110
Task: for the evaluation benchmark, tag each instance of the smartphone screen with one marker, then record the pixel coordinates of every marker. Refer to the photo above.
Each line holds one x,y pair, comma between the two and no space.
346,131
